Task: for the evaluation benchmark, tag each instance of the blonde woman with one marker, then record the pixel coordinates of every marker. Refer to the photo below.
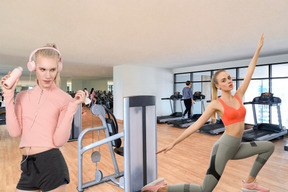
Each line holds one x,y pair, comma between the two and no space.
42,117
232,112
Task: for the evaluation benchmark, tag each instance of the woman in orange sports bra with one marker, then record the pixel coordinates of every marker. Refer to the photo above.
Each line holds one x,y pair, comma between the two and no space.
232,112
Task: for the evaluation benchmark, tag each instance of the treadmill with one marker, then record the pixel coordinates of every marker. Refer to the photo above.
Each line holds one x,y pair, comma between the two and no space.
2,110
184,123
213,128
174,115
2,116
265,131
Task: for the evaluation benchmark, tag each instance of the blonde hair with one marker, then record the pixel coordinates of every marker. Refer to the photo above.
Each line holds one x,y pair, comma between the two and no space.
214,89
51,54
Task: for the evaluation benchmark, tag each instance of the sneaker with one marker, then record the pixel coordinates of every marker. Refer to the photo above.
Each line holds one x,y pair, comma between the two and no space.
154,186
253,187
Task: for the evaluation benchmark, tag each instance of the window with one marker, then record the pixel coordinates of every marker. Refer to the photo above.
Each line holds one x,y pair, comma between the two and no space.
259,72
69,86
202,76
280,70
256,87
278,91
232,72
179,87
110,86
182,77
260,83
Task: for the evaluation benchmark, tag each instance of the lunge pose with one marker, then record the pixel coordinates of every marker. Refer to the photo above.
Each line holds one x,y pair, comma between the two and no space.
232,112
42,116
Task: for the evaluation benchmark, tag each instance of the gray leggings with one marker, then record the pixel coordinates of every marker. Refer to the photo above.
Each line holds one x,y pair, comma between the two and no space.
226,148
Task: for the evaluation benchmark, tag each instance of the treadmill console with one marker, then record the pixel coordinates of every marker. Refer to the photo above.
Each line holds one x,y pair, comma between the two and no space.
176,96
198,96
266,98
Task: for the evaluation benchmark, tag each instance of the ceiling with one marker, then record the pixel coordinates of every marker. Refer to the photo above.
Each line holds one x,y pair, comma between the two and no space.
95,35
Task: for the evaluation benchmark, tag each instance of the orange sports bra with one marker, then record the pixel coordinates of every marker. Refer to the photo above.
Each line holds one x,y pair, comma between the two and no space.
232,115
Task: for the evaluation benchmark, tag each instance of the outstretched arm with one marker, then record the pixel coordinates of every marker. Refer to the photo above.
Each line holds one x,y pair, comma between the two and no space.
242,89
193,128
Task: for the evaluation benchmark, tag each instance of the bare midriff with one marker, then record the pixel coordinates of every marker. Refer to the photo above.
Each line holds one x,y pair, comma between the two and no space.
34,150
235,129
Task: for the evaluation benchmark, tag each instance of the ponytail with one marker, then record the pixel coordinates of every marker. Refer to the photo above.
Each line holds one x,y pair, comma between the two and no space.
214,95
214,90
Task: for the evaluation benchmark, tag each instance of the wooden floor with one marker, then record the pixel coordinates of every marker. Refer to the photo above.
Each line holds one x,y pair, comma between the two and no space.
186,163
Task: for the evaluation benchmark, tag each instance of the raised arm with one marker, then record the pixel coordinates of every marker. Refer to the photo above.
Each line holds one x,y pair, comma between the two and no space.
193,128
243,87
62,132
13,111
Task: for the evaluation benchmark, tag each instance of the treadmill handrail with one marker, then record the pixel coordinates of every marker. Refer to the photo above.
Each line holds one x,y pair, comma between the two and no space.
260,103
271,101
276,102
167,98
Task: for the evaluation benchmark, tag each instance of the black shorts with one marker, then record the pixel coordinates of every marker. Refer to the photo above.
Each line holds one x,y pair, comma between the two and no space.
43,171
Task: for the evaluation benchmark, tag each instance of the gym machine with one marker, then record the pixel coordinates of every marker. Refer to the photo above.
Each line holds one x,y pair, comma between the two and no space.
174,115
265,131
2,115
140,145
213,128
76,124
184,123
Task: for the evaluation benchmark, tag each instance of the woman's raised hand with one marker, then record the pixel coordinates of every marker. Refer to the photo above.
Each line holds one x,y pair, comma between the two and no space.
261,41
12,89
79,97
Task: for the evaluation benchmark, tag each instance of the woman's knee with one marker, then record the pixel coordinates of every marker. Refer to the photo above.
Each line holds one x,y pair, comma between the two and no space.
267,148
270,146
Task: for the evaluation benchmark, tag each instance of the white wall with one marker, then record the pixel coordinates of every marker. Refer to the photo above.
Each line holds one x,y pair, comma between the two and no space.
97,84
237,63
77,85
101,84
63,84
132,80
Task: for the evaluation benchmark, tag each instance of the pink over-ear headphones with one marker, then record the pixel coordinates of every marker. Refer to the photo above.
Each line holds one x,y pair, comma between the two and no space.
31,64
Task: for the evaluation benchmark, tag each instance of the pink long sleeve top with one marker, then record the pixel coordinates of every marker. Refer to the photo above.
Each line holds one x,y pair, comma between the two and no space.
42,118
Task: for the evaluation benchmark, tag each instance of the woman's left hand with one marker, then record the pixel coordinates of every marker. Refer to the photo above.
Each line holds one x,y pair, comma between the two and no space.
79,97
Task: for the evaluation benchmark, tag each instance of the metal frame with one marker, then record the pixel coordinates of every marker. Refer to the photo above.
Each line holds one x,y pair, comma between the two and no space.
76,124
140,137
140,141
100,112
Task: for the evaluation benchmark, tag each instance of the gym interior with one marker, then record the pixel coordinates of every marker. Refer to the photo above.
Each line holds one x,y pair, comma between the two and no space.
151,48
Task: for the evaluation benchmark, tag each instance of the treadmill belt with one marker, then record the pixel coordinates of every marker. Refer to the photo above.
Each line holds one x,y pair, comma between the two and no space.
261,135
251,135
181,121
211,126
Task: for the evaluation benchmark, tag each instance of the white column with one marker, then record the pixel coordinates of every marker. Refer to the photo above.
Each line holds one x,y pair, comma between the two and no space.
131,80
